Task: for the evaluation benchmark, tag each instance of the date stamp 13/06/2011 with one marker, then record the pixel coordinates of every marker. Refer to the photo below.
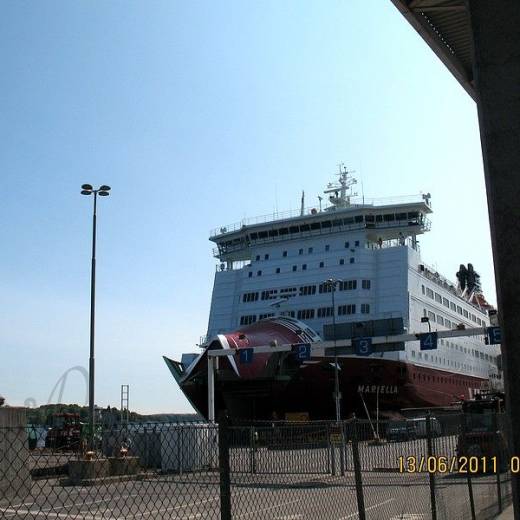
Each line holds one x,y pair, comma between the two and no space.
456,464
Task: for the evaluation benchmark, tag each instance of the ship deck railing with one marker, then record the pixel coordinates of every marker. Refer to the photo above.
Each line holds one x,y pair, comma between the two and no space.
357,202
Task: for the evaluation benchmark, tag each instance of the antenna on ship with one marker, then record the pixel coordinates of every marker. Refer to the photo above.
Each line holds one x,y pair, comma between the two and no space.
320,199
339,189
302,210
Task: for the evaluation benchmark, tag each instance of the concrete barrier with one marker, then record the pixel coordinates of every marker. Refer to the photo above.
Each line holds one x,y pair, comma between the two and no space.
15,478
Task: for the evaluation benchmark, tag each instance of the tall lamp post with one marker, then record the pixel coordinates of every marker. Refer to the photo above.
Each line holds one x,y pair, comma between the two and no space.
102,191
331,284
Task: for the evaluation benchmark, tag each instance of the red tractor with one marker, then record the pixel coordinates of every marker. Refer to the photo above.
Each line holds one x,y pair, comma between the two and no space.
65,432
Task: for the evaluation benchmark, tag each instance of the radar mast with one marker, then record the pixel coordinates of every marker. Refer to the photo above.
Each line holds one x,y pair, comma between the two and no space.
340,198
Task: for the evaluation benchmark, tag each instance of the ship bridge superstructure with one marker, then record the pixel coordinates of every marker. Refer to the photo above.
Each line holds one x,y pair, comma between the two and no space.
380,220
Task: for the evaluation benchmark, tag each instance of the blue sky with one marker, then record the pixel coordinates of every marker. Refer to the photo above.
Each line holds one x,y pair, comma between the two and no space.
199,114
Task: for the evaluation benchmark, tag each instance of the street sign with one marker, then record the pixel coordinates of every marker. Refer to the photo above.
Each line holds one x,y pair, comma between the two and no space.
362,346
428,340
494,335
302,351
246,355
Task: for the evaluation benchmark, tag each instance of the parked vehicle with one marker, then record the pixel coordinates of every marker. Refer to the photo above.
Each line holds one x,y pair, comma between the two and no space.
421,429
401,431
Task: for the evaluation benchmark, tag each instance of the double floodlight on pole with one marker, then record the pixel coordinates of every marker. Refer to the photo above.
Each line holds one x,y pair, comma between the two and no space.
331,284
102,191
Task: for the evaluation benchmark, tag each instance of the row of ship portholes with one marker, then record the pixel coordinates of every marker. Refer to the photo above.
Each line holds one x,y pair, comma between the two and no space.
441,380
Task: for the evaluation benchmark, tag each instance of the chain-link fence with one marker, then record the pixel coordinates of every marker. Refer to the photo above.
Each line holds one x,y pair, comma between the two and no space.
440,467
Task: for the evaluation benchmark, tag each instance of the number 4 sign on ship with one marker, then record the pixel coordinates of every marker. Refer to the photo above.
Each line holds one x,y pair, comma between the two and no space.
428,340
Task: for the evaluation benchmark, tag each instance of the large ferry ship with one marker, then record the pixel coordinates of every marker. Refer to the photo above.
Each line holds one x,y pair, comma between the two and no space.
350,269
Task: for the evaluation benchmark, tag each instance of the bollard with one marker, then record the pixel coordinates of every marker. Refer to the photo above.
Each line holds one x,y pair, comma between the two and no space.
357,472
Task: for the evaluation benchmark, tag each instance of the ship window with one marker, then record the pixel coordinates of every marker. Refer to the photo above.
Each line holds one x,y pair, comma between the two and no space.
327,247
401,216
304,267
423,289
420,355
283,231
266,257
325,312
453,307
413,214
479,321
365,284
438,298
325,288
356,243
413,355
447,323
389,217
259,273
347,285
349,220
346,309
365,308
310,250
465,313
446,302
250,297
257,258
277,270
300,252
322,264
429,293
264,316
284,253
440,320
246,320
341,261
273,233
369,218
288,313
305,314
358,219
294,229
307,290
337,222
294,267
352,260
379,218
315,225
459,309
326,224
347,244
250,274
431,316
254,236
305,227
425,313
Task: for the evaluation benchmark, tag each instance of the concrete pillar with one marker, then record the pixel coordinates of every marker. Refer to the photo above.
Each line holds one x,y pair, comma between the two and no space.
496,39
15,479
